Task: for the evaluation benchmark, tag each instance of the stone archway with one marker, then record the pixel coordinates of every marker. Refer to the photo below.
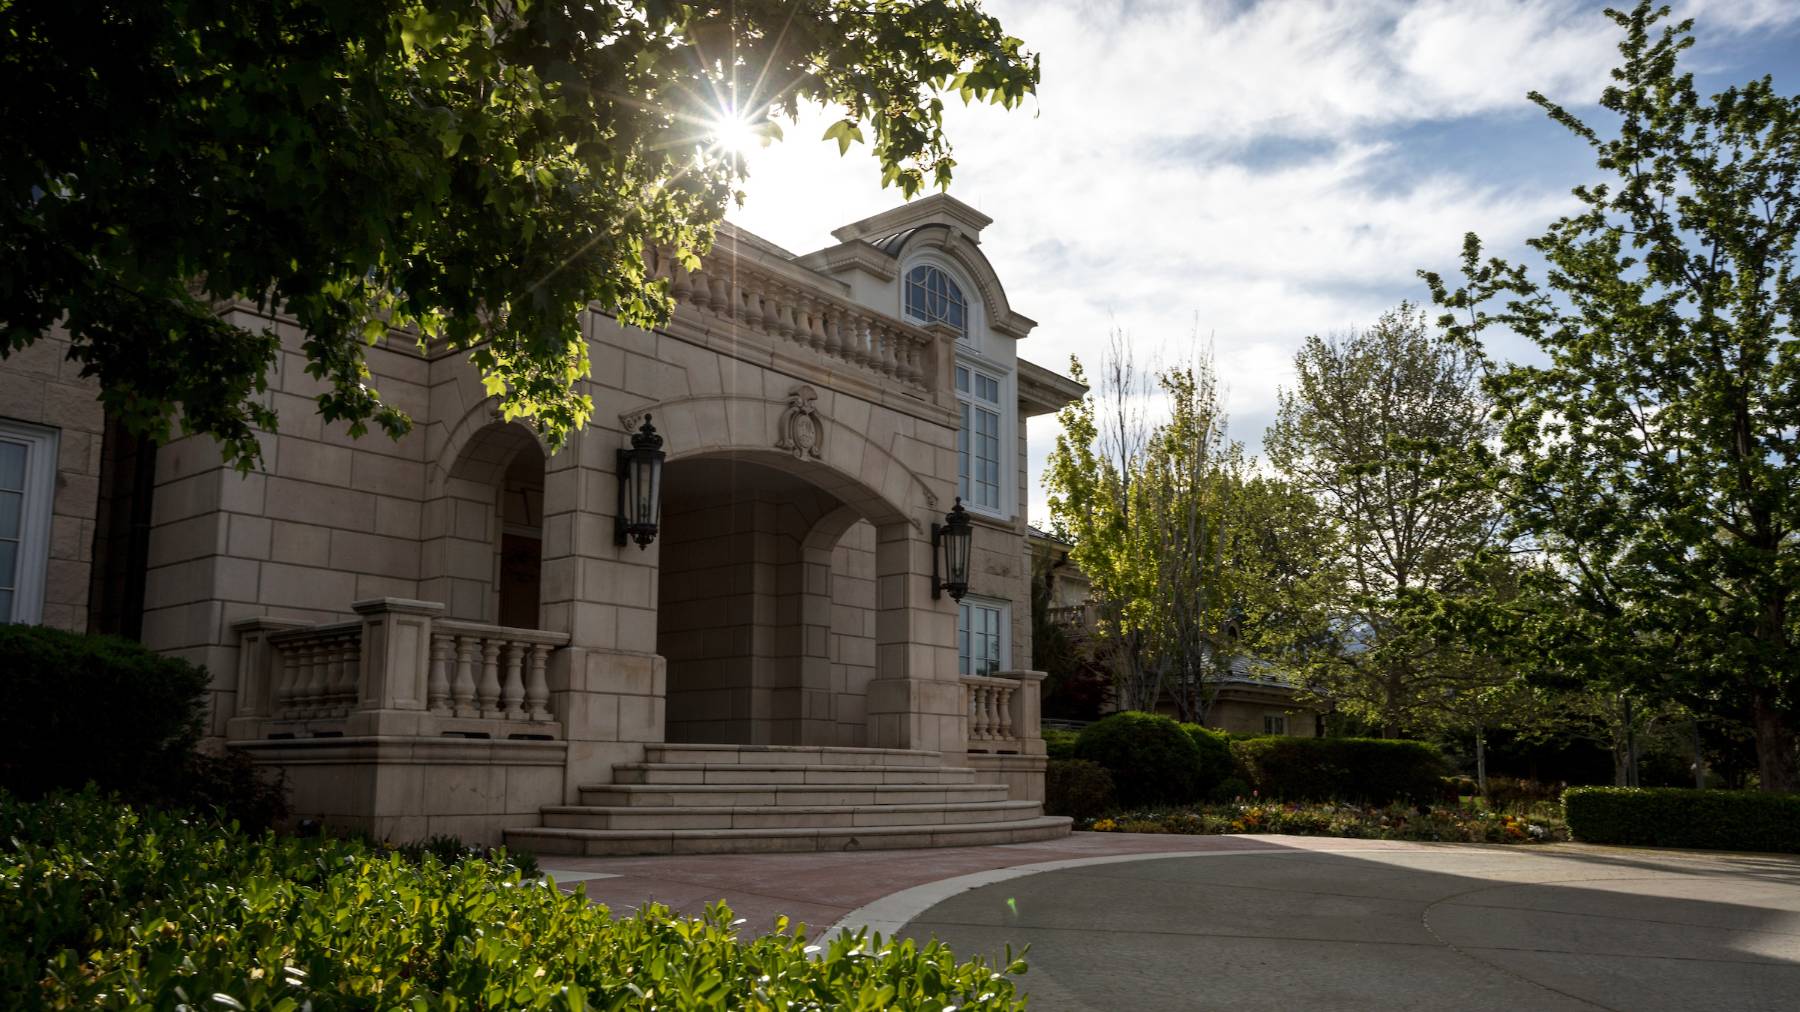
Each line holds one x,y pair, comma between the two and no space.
483,527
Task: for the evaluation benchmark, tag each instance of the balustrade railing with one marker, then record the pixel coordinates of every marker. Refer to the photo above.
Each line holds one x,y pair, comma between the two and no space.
399,669
490,671
760,301
1003,711
315,671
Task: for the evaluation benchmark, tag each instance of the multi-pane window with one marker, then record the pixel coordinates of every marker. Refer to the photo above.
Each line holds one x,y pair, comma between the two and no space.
978,444
1274,724
978,637
27,456
931,296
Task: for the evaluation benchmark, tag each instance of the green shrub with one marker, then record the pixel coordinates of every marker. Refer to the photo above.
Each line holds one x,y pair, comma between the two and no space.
106,906
1511,792
1077,788
1060,744
1231,788
76,708
1215,757
1684,817
1372,770
1150,757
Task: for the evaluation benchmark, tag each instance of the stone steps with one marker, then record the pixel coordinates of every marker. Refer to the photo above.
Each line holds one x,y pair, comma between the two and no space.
786,773
784,816
616,843
714,799
651,795
790,755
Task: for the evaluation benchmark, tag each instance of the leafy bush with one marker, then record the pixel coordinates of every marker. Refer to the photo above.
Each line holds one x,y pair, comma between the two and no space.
1077,788
1215,757
1511,792
1060,744
106,906
1374,770
1150,757
1684,817
1230,789
76,708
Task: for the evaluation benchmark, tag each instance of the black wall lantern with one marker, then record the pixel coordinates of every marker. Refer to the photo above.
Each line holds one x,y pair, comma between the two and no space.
640,487
950,544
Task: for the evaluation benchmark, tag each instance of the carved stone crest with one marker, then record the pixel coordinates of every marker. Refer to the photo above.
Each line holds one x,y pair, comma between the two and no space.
802,430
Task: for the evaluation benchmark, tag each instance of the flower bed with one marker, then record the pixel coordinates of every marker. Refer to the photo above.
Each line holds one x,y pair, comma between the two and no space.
1446,823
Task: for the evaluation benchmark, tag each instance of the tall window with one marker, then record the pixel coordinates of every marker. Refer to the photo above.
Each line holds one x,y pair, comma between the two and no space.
931,296
978,444
979,630
27,476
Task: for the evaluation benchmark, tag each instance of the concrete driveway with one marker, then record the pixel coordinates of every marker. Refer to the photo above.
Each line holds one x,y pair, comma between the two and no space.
1284,923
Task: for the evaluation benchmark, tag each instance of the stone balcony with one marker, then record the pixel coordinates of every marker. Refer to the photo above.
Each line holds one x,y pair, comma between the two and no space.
397,670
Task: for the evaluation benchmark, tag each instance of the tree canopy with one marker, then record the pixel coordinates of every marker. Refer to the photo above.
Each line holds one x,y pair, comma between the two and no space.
1651,458
471,172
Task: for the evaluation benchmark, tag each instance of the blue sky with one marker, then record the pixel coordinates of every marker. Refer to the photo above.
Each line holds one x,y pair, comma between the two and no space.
1251,173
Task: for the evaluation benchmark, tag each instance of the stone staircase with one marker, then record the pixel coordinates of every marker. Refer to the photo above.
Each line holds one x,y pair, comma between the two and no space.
715,799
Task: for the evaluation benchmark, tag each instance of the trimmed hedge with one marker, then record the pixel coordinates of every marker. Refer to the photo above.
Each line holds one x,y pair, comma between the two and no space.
1215,757
77,708
1373,770
1684,817
1060,744
105,906
1077,788
1150,757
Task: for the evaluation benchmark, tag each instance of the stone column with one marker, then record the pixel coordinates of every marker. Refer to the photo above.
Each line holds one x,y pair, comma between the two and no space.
608,685
916,699
394,676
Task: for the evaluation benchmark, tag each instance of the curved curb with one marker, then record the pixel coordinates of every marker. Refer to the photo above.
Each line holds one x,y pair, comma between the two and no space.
894,911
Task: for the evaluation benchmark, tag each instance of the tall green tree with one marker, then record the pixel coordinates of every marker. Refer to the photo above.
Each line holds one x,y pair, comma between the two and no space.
1196,561
471,171
1653,456
1362,431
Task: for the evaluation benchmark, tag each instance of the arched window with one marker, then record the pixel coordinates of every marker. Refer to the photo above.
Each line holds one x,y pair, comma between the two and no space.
931,296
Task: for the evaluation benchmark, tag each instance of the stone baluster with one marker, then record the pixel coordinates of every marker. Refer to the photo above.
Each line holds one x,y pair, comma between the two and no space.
490,678
463,689
681,285
1003,710
283,682
312,692
815,324
721,295
438,690
978,718
753,307
512,690
787,324
833,326
339,679
537,688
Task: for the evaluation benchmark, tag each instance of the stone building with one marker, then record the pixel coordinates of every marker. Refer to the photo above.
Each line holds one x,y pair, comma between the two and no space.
451,633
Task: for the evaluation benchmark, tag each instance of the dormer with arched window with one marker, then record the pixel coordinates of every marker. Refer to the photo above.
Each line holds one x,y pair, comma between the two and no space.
933,296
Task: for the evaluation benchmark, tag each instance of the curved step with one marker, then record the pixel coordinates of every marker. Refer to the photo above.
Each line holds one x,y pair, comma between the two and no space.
600,843
644,795
604,817
790,755
787,773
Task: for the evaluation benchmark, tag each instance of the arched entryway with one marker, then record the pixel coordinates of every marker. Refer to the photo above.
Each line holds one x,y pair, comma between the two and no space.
768,605
484,530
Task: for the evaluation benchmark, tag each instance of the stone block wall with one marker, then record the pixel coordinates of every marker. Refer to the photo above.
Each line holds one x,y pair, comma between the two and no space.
40,386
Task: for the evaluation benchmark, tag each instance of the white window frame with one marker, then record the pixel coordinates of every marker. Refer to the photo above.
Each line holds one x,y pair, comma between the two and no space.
1279,720
34,517
1004,608
1004,452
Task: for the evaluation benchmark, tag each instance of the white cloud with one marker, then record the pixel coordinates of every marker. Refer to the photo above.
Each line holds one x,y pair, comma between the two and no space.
1124,191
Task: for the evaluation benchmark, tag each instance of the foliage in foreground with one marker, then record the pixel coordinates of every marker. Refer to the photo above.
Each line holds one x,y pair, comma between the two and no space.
1681,817
1447,823
105,905
479,172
